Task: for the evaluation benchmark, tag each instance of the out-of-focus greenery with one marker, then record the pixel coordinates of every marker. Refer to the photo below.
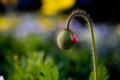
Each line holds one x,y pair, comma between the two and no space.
19,61
33,68
17,58
16,55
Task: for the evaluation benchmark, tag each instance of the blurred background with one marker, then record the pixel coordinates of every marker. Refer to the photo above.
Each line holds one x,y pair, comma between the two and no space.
28,29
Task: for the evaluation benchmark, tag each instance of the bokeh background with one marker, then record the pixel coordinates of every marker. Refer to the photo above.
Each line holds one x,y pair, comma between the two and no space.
28,30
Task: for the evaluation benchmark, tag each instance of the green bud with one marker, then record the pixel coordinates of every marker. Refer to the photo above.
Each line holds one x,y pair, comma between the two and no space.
64,39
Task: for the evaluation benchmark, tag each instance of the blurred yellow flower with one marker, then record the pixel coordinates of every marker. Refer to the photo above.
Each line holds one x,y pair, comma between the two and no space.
50,7
7,23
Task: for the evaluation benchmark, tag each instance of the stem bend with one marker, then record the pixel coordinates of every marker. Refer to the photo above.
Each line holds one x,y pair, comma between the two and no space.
80,13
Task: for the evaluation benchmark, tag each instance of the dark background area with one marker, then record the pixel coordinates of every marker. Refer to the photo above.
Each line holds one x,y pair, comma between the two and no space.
100,10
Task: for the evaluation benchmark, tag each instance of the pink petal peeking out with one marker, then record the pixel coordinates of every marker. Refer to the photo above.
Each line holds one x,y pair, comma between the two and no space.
74,38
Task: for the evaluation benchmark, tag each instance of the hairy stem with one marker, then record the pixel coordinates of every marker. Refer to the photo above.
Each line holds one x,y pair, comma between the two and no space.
82,14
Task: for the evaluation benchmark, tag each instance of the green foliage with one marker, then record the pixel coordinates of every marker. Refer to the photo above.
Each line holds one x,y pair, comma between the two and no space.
74,64
102,73
33,68
17,63
47,74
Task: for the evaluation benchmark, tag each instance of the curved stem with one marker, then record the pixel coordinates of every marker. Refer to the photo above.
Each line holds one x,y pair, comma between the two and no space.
83,14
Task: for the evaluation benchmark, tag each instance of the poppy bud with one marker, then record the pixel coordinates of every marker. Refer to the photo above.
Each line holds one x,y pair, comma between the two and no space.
66,38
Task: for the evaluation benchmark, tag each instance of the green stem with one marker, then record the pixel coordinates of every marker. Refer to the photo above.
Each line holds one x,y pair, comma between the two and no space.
83,15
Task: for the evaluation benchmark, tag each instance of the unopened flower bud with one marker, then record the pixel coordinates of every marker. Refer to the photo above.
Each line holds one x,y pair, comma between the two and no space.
66,38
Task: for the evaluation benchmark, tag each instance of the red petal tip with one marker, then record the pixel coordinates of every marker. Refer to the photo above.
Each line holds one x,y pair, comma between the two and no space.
74,38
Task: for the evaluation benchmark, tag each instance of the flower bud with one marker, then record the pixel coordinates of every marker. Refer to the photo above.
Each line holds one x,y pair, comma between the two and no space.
66,38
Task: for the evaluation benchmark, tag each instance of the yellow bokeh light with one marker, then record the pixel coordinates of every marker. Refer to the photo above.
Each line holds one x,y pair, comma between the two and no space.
50,7
7,23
